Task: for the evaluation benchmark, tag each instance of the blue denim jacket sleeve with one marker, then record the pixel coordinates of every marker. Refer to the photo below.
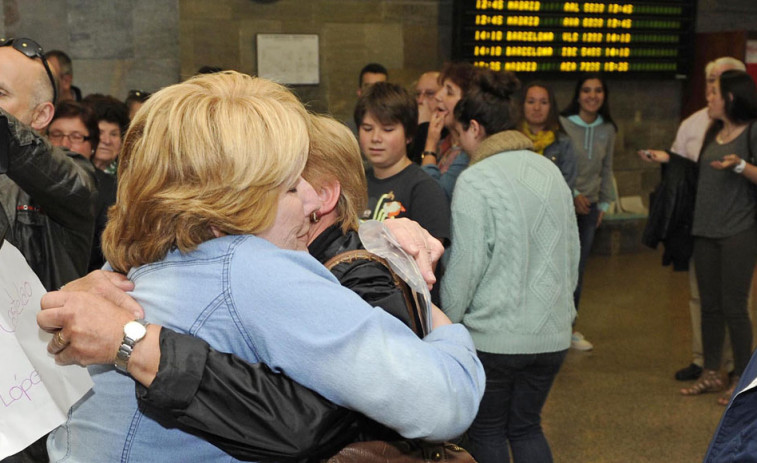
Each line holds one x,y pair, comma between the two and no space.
561,152
328,339
448,179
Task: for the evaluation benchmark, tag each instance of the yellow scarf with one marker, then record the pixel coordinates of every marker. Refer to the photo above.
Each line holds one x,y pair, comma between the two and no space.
541,140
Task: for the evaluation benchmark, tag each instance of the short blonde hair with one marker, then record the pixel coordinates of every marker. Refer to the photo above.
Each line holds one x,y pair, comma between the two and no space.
335,155
724,61
213,151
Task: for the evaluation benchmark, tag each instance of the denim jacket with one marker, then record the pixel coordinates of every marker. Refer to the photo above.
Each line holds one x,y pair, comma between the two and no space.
244,295
561,152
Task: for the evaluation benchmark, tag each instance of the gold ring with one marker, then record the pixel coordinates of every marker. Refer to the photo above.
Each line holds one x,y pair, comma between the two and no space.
59,339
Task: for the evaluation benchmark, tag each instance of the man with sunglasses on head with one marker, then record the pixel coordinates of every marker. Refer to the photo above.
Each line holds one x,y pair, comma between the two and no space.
47,195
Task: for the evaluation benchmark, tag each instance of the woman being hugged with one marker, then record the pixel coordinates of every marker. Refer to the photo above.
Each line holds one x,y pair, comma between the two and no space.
510,278
588,123
725,227
540,121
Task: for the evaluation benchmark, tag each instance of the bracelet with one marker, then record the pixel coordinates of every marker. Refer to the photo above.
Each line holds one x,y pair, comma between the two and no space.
428,153
739,168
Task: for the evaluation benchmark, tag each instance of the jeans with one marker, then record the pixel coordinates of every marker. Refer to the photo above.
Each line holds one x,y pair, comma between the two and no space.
517,386
587,227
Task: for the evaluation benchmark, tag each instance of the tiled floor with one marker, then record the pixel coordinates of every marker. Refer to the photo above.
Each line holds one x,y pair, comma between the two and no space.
620,403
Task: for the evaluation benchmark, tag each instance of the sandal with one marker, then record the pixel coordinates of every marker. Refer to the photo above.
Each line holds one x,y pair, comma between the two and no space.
710,381
725,398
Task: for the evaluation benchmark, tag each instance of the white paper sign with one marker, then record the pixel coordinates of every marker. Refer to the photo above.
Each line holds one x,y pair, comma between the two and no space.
35,393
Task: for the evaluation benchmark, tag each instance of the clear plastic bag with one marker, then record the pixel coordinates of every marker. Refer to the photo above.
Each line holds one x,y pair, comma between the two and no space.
377,239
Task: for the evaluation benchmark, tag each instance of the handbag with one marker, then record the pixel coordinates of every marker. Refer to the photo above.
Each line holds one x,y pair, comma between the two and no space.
412,315
403,451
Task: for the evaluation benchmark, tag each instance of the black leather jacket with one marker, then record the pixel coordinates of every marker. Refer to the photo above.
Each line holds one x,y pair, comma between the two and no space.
47,202
252,413
671,212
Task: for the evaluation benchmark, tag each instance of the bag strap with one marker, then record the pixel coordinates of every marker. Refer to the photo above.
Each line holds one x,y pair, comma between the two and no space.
412,303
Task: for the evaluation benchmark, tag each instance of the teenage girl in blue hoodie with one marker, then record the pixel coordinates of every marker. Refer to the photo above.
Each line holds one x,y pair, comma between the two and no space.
588,123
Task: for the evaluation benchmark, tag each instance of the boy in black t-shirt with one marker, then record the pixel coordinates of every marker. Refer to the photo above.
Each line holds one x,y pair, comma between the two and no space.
387,118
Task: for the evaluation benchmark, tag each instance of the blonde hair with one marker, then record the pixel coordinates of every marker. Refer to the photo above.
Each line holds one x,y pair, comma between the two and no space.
724,61
335,155
213,151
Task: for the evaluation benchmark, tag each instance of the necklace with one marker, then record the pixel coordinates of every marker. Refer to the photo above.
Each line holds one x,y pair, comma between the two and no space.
726,136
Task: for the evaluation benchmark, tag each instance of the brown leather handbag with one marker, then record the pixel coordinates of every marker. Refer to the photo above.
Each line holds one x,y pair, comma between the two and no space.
403,451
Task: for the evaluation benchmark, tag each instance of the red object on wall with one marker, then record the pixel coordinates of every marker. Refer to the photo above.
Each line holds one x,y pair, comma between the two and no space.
752,70
751,58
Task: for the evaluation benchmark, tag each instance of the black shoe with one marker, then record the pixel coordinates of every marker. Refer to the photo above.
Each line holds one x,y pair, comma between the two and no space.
689,373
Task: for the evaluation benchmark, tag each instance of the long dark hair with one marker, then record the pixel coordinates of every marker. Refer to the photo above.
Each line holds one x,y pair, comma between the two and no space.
739,95
553,121
574,107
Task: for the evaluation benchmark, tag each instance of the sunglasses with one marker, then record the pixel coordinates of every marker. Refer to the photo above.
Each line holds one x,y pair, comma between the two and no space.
139,95
32,49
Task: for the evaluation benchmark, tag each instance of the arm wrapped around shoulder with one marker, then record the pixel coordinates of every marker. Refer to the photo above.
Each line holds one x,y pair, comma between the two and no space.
242,408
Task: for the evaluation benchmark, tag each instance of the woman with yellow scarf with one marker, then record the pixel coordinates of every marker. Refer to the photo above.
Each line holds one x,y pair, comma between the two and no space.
539,121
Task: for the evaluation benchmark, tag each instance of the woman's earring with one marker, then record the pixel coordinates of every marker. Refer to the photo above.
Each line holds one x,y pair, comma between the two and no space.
314,217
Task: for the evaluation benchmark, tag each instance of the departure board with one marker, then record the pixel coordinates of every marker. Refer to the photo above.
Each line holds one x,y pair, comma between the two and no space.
652,37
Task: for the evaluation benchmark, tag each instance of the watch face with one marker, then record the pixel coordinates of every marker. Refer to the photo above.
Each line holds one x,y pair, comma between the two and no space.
134,330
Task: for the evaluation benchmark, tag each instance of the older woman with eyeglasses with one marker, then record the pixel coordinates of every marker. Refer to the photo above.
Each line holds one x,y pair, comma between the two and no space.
74,126
223,214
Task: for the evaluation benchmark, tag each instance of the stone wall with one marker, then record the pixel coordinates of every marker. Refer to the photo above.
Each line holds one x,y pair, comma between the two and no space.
115,45
407,36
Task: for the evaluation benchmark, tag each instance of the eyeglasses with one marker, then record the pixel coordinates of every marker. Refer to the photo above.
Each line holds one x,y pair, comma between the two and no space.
32,49
73,137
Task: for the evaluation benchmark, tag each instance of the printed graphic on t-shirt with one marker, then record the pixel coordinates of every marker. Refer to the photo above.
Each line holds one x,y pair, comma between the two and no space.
386,208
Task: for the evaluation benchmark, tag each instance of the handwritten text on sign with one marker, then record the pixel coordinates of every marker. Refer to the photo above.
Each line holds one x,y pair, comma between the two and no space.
35,393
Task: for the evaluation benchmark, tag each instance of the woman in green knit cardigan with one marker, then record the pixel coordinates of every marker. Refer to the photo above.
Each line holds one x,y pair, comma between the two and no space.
512,269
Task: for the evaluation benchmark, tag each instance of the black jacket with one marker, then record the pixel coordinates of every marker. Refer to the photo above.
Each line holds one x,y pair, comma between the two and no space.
47,203
671,212
251,412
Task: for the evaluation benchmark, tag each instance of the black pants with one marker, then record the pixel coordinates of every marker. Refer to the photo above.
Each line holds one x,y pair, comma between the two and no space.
724,269
35,453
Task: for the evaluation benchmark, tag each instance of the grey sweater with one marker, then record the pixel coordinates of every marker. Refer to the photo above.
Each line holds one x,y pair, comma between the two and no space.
594,145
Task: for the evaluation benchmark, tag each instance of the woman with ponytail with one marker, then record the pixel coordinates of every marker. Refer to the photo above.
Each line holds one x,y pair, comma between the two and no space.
539,121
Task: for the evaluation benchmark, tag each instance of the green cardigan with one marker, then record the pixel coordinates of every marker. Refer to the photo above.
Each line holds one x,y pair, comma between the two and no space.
513,263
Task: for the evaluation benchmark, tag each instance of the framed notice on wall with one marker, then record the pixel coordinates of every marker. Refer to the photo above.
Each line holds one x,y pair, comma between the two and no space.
288,58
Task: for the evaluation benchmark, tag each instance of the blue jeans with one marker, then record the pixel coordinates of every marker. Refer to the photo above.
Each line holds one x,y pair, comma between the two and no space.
517,386
587,227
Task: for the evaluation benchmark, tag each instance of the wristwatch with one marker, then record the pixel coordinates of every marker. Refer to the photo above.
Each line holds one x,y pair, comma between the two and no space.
739,168
428,153
134,331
